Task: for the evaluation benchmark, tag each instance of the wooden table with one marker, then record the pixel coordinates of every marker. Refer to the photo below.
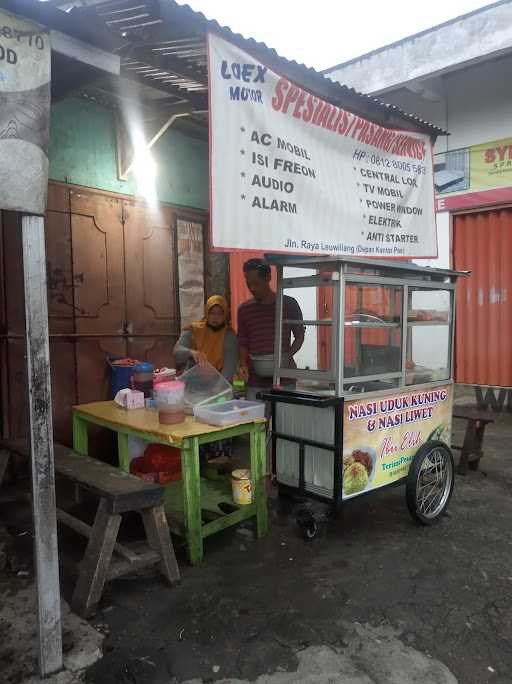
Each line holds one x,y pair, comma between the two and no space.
193,497
471,450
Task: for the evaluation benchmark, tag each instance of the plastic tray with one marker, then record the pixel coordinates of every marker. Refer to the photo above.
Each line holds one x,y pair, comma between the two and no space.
230,412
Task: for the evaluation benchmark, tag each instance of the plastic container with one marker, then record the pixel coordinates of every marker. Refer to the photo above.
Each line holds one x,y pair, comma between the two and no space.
204,385
142,379
230,412
263,366
169,400
241,486
159,463
163,375
122,371
239,388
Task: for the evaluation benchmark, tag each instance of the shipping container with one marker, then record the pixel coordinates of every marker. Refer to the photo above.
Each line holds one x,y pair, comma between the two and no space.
482,244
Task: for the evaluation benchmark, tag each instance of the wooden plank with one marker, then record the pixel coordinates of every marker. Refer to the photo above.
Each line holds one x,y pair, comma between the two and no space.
13,497
96,563
472,415
86,531
4,462
243,513
159,538
143,423
41,439
124,491
125,567
150,276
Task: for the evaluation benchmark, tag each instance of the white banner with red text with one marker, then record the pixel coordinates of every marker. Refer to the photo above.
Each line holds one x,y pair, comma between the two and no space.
290,172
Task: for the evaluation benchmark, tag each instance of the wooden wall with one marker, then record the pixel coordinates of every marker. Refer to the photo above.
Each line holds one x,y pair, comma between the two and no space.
112,289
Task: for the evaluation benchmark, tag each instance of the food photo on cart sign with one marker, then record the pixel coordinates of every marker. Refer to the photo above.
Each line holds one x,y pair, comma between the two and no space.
382,436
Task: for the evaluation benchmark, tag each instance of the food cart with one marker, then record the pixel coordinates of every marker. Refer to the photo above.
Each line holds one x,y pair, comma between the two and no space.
367,402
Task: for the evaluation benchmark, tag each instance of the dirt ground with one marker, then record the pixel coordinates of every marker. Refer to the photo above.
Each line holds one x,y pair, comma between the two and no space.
403,603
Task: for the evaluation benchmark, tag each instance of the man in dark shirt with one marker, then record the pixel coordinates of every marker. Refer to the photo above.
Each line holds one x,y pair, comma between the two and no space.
256,324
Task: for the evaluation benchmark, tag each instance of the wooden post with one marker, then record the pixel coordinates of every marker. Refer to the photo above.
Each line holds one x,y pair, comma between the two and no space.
41,443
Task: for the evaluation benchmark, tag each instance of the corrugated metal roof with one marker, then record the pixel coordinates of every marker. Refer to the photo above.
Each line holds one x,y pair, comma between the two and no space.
163,44
48,14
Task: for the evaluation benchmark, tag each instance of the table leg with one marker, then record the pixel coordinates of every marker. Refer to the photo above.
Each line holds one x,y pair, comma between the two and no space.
122,452
80,435
258,469
192,499
96,562
468,447
477,447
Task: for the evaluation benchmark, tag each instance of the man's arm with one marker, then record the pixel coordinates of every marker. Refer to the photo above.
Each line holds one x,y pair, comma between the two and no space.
298,340
298,331
244,363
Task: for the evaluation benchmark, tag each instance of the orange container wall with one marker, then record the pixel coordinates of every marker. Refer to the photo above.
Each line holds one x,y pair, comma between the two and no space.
482,244
238,289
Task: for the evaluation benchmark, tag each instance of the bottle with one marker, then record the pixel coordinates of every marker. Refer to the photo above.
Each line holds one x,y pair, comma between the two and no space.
169,398
239,387
142,379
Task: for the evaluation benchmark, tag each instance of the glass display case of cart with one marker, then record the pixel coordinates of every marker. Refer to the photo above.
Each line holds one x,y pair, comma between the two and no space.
369,325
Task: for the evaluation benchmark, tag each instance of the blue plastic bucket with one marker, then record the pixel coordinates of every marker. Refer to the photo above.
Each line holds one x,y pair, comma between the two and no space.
121,375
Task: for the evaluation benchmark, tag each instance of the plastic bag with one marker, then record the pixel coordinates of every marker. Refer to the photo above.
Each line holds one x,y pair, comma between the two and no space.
204,385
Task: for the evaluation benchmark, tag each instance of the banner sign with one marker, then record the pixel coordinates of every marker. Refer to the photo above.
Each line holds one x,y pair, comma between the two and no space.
470,169
491,164
381,436
25,63
475,176
290,172
190,271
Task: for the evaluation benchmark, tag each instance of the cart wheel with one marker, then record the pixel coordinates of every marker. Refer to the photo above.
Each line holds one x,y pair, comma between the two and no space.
307,524
310,531
430,482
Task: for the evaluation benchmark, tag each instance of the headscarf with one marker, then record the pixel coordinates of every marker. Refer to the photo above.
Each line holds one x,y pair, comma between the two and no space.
207,340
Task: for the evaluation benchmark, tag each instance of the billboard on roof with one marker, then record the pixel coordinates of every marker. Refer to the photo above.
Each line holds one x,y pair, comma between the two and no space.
290,172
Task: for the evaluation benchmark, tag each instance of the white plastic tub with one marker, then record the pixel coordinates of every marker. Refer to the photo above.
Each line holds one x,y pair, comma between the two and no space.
230,412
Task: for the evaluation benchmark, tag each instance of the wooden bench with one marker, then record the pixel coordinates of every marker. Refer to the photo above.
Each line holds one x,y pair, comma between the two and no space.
471,450
118,493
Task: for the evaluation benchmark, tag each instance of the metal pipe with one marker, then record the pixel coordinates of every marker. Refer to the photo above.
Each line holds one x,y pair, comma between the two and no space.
155,138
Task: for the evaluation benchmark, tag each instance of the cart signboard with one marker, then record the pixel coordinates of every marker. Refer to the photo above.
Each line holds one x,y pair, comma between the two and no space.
291,172
382,435
25,59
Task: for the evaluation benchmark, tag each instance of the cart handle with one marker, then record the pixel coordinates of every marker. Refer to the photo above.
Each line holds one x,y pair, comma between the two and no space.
285,397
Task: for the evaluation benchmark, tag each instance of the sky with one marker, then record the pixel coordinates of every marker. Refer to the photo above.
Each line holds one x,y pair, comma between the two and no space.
322,33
